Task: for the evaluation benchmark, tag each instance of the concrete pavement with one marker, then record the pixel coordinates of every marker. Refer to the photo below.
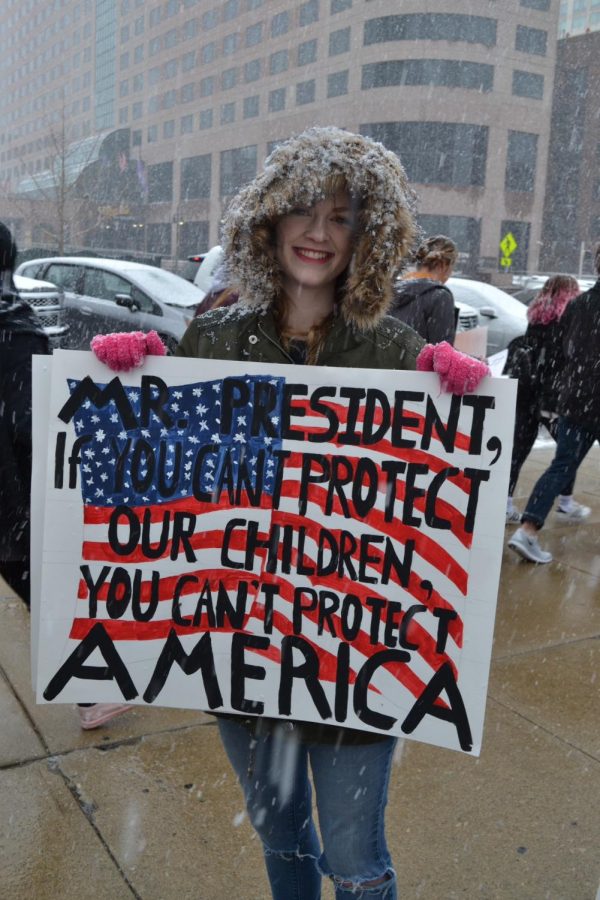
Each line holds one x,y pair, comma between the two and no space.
147,806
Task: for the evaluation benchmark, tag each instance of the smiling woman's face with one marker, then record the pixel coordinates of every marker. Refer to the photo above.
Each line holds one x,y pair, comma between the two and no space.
314,244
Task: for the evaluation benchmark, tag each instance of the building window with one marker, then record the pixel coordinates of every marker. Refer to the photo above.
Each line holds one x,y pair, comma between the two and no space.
123,115
448,73
339,41
231,9
436,152
138,54
231,43
307,52
190,29
251,106
305,92
337,84
208,52
254,34
252,70
187,92
186,125
138,26
153,104
154,16
172,8
432,27
138,82
210,19
528,84
153,75
170,99
195,177
158,238
280,24
152,135
170,68
207,86
206,119
188,61
278,62
520,161
277,100
227,113
154,46
123,89
192,238
137,110
229,78
254,4
160,182
531,40
536,4
309,12
136,138
169,129
171,38
340,5
238,167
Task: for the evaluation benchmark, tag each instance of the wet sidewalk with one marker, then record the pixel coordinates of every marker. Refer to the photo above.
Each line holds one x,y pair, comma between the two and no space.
147,806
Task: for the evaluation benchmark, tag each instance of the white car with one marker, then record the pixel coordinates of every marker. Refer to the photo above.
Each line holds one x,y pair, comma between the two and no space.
48,302
105,295
504,316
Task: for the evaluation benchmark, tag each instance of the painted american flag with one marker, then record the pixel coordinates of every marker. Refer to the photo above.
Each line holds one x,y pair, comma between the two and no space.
199,406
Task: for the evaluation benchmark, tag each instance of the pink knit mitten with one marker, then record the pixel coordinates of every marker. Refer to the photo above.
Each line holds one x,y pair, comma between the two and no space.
459,373
126,350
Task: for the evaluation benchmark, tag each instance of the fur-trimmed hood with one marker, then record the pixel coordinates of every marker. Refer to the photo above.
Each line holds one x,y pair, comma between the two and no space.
294,175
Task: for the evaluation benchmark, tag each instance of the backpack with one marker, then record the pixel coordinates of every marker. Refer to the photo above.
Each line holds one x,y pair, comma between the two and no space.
525,362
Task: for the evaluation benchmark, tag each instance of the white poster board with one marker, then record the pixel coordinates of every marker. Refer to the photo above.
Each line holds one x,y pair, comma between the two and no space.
322,544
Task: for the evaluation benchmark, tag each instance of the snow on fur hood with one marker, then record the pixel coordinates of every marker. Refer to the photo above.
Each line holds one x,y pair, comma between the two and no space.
293,176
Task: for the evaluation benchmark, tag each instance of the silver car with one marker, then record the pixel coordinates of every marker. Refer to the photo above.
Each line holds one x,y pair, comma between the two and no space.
504,316
105,295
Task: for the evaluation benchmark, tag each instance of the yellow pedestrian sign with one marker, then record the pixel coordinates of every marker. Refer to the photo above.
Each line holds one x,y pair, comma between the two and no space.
508,245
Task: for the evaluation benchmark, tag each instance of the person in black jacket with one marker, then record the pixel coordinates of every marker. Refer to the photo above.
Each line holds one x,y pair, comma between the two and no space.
579,411
421,298
21,335
536,359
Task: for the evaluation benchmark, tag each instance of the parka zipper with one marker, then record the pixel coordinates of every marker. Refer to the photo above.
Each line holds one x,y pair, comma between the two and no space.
275,344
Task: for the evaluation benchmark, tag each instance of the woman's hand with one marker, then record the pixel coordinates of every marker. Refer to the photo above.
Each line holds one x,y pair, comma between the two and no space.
459,373
126,350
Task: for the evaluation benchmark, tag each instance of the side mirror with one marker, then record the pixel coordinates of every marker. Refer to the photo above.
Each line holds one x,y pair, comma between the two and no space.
488,311
127,301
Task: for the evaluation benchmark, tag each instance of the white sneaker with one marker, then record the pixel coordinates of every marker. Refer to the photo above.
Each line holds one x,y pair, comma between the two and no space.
528,547
576,512
513,516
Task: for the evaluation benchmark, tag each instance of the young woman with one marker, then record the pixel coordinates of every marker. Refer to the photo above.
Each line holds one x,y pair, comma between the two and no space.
422,299
539,382
312,248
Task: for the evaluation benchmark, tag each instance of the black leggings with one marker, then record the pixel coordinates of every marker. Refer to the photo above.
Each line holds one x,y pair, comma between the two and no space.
527,423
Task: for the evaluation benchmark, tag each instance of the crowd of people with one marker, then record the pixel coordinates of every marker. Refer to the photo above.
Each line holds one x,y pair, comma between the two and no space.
313,246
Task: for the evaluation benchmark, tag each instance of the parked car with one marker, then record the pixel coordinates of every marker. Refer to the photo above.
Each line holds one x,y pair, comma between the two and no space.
48,302
534,285
104,295
504,316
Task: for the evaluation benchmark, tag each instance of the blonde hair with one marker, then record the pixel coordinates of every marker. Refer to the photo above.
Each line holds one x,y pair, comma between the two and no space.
436,251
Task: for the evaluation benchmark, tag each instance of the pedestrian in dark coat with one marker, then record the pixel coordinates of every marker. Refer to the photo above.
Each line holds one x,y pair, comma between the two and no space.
579,416
21,335
537,360
421,299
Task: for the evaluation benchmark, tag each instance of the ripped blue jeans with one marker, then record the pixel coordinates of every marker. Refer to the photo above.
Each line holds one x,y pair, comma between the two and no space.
351,785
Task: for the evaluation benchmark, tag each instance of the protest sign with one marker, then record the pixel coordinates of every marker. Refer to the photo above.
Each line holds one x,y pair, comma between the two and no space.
321,544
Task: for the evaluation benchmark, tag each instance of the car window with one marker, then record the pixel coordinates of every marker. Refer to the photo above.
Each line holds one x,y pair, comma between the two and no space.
104,285
31,270
66,277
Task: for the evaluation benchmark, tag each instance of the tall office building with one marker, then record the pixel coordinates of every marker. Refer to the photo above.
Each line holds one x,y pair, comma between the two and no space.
168,108
578,17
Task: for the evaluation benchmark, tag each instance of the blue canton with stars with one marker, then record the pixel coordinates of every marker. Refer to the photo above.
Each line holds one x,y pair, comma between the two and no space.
107,461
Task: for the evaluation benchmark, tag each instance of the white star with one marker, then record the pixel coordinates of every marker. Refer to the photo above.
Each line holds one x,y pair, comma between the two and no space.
100,435
201,409
203,426
240,438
